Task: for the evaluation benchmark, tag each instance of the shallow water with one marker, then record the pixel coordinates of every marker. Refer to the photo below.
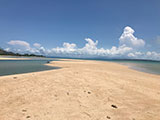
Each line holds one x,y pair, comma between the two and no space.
152,67
147,66
9,67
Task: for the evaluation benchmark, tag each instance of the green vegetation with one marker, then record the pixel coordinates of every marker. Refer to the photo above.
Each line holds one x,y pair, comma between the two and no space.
3,52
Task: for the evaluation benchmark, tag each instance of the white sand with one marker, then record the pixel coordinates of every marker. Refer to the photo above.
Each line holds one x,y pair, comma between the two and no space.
81,90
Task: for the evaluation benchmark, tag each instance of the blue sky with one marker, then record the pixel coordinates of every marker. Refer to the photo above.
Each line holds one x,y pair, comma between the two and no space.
52,23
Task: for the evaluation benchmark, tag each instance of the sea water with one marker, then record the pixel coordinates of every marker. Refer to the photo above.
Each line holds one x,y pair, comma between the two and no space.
147,66
9,67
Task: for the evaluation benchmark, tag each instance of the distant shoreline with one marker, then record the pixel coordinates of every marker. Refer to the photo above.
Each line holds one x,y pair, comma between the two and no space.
8,57
3,57
137,65
9,53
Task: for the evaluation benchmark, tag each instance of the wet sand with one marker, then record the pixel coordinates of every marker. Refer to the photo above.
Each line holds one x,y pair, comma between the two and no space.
81,90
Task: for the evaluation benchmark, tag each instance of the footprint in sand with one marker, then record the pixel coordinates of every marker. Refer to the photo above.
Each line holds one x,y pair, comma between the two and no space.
114,106
28,117
24,110
108,117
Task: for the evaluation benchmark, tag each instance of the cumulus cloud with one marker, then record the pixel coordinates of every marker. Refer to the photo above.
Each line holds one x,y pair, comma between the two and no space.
153,55
136,55
20,46
90,44
19,43
127,38
90,49
127,48
69,46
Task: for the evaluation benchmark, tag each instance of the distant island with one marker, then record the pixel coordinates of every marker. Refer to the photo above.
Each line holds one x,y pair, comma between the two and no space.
3,52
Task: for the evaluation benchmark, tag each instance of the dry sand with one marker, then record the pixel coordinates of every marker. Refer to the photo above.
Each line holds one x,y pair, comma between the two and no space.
13,58
81,90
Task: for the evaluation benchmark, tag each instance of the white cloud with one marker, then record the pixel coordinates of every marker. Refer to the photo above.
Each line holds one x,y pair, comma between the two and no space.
67,50
121,50
129,39
37,45
89,50
7,49
137,55
90,44
153,55
132,55
19,43
127,48
69,46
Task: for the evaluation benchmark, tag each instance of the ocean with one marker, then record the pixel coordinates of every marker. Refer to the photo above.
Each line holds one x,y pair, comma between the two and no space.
9,67
147,66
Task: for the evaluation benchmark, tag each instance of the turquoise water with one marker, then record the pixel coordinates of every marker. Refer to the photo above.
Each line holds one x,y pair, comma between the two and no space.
152,67
147,66
9,67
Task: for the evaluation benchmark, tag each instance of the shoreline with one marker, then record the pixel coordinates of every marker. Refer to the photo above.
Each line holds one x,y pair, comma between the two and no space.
14,58
65,59
83,90
69,60
6,57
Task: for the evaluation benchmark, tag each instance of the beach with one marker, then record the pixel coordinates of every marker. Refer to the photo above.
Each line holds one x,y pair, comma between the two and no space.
81,90
13,58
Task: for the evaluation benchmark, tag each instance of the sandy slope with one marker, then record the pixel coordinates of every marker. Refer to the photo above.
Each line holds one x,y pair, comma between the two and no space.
81,90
